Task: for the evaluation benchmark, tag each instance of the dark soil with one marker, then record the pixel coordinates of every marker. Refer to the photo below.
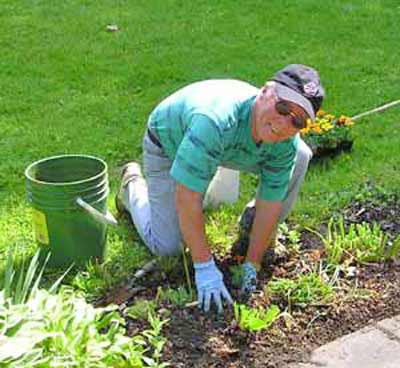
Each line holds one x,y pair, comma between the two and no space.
199,340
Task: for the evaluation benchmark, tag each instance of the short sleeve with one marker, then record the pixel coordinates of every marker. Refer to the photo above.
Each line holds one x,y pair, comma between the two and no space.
277,172
198,154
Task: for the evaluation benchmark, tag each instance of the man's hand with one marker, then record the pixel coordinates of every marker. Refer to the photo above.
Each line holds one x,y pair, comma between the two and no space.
210,285
249,278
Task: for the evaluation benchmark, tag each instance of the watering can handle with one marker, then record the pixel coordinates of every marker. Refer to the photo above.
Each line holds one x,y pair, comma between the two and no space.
107,218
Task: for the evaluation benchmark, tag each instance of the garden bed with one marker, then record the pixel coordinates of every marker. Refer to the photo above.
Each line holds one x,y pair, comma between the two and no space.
371,292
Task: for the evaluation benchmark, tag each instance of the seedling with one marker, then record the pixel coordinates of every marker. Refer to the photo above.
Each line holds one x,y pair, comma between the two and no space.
253,320
304,290
292,235
156,341
141,309
178,297
361,243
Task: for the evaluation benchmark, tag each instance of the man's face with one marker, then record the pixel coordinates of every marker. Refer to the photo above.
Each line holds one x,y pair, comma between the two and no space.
272,126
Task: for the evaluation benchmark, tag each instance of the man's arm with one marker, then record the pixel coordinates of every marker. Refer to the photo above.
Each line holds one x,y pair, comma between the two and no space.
209,279
189,206
263,229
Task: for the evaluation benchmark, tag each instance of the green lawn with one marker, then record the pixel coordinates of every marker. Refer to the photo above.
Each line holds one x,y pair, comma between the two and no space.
69,86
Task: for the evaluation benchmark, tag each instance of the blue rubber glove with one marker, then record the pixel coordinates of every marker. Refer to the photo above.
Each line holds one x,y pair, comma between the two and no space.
210,285
249,278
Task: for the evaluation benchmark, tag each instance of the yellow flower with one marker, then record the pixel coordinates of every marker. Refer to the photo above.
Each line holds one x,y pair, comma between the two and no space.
320,113
329,117
349,123
326,126
305,131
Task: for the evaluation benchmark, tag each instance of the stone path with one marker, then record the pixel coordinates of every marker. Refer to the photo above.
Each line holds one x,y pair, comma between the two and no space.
375,346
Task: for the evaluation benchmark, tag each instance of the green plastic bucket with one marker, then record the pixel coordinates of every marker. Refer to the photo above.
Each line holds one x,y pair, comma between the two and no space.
68,194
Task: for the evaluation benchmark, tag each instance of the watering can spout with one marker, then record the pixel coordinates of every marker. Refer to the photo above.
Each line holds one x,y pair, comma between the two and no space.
107,218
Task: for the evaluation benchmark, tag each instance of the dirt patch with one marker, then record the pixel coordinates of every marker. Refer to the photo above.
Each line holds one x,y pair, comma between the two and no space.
383,210
199,340
196,340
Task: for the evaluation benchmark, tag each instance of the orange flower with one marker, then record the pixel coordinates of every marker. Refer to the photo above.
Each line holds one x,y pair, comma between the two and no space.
317,129
342,120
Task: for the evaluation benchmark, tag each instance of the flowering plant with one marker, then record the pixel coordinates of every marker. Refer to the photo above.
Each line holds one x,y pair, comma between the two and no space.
328,134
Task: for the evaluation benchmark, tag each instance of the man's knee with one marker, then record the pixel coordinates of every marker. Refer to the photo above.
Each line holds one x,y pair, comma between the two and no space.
167,248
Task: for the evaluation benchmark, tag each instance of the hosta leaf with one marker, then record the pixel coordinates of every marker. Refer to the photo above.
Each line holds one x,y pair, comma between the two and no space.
17,346
256,324
272,313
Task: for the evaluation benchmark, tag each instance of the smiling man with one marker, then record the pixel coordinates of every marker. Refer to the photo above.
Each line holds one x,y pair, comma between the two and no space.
225,123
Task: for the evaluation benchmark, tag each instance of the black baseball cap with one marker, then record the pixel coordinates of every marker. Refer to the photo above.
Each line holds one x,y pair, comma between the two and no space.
301,85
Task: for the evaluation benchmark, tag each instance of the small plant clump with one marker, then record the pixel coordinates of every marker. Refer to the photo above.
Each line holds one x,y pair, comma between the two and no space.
178,297
360,243
252,319
291,237
141,309
304,290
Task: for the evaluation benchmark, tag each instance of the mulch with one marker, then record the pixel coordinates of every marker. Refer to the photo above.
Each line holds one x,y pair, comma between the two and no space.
199,340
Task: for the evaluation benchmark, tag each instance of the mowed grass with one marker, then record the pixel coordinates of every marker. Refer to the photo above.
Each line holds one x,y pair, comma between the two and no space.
69,86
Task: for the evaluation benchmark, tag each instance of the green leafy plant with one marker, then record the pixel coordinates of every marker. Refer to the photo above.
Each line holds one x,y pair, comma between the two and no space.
251,319
93,280
291,235
141,309
63,330
178,297
360,243
304,290
19,285
39,328
156,341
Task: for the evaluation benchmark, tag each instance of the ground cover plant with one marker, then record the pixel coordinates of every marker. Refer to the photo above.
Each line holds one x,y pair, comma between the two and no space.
360,243
304,290
42,328
70,85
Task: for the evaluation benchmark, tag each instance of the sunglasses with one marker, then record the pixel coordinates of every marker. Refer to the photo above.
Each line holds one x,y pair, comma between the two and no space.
283,108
